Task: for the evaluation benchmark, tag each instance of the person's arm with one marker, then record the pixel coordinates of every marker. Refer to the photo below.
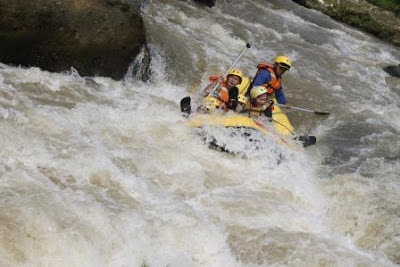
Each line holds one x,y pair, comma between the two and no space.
262,78
280,96
208,89
233,98
268,110
213,79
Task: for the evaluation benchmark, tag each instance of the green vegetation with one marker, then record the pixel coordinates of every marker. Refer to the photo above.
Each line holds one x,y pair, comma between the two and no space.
363,21
360,14
391,5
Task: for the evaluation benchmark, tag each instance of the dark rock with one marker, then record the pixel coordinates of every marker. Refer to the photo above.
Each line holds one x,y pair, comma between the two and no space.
140,67
393,70
301,2
96,37
209,3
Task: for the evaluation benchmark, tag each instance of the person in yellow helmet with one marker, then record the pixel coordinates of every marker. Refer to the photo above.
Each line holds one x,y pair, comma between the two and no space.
225,96
259,103
270,77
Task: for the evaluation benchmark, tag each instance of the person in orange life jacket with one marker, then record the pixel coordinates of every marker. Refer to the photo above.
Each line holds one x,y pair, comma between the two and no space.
269,76
259,103
225,96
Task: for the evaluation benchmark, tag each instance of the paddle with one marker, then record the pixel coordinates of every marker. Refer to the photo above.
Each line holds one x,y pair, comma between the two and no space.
306,140
186,108
231,67
185,102
304,109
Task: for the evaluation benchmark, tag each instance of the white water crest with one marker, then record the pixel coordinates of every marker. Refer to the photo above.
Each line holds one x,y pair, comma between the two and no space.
97,172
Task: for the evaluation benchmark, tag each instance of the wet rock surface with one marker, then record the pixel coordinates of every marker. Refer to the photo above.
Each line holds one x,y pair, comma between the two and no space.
96,37
209,3
393,70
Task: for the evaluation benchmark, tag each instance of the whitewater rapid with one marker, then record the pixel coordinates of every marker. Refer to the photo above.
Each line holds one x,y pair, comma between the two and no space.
97,172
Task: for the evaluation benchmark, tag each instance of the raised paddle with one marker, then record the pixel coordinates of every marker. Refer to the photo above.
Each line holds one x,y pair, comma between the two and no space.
185,102
231,67
305,110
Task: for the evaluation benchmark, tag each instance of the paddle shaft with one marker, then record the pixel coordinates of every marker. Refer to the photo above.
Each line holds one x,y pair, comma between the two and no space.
231,67
305,110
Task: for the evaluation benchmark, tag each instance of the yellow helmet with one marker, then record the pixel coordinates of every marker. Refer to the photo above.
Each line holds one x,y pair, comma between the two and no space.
211,103
236,72
283,61
242,99
256,91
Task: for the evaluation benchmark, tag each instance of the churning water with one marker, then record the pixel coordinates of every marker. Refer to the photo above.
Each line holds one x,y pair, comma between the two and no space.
97,172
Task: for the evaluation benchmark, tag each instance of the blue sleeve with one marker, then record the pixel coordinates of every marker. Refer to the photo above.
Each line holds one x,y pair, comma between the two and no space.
280,96
263,77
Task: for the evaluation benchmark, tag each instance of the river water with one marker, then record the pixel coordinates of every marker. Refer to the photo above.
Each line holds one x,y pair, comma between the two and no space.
97,172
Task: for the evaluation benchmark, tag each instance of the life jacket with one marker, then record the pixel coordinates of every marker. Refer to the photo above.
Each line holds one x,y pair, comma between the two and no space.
275,83
218,97
253,111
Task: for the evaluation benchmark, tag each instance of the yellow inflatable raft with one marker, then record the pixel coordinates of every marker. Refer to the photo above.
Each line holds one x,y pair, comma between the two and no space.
281,125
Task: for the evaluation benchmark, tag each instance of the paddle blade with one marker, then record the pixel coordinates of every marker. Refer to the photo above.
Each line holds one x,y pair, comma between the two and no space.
185,105
321,113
